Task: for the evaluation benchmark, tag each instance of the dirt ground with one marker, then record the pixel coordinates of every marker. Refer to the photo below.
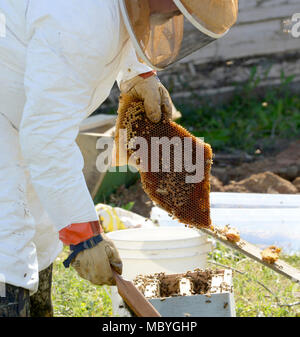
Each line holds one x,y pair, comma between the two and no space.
279,173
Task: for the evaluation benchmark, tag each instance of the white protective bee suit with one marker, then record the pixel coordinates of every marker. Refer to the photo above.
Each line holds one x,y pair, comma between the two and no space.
58,63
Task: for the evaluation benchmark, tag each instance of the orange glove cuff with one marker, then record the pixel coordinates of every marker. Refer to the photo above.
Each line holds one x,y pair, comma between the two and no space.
79,232
148,74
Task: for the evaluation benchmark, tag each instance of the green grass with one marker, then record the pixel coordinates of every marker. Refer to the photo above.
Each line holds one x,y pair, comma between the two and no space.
248,121
75,297
258,290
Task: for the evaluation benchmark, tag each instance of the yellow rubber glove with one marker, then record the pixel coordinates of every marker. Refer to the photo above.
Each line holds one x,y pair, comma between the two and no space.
152,92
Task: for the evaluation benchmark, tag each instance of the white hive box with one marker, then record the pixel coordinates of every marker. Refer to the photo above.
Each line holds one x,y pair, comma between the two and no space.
216,301
219,302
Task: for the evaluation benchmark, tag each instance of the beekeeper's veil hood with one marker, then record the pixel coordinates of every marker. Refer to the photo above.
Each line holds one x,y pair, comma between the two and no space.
159,29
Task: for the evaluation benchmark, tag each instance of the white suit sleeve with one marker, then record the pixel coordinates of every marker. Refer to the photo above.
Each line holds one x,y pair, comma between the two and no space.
130,65
56,102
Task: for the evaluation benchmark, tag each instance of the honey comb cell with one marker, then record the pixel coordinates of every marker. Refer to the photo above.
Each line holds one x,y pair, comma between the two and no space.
167,184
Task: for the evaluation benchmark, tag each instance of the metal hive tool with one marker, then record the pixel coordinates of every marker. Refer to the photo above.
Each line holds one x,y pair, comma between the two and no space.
167,186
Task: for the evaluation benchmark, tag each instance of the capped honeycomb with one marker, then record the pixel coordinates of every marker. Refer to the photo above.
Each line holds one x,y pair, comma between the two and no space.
165,178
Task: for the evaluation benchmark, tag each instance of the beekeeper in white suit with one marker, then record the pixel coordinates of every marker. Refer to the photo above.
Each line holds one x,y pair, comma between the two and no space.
58,63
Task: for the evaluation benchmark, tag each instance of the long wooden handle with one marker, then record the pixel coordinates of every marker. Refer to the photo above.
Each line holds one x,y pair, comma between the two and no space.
134,298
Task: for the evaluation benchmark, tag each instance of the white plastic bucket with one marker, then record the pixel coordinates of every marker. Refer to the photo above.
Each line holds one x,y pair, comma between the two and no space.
162,249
